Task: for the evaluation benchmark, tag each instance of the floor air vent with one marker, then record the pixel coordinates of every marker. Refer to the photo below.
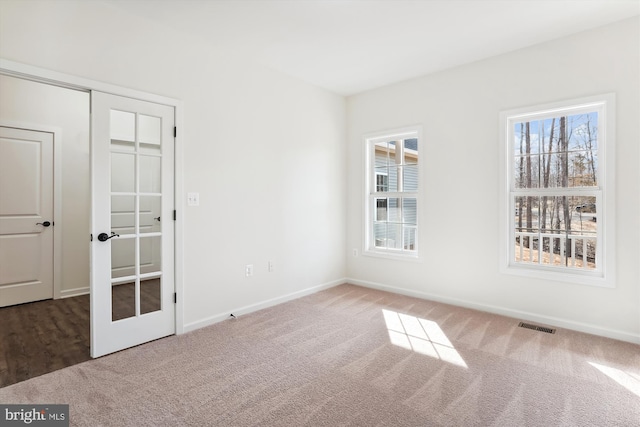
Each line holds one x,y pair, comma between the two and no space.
536,327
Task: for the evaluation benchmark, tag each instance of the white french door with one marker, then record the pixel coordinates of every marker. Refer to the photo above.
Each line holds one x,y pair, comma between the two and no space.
132,248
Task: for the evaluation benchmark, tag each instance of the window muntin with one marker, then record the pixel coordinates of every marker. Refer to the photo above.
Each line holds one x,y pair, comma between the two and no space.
556,189
392,194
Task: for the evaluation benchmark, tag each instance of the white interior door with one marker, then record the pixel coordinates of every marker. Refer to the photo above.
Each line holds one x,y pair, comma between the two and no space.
26,216
132,257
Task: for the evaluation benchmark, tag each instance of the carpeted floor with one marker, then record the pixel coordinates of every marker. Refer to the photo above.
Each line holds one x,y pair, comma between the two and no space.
354,356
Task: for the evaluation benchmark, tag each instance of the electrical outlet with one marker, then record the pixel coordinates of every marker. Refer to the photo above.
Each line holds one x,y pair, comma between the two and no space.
271,267
248,270
355,252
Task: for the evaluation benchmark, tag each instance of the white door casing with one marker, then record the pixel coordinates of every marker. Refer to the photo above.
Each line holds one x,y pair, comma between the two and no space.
26,207
132,273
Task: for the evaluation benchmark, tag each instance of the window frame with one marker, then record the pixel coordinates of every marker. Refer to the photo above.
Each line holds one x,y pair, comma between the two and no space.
604,192
370,193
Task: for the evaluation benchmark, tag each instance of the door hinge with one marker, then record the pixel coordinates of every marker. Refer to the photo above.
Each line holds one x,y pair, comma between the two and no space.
175,297
174,215
91,236
175,131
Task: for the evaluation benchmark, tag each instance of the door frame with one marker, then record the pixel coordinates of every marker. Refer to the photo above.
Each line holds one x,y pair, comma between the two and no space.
41,75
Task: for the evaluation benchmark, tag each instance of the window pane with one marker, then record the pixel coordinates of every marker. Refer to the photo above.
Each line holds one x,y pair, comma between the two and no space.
393,178
123,214
381,155
409,242
394,210
409,211
410,178
394,236
585,216
549,135
392,152
123,127
557,213
150,220
582,169
557,171
410,151
123,300
123,173
380,234
150,295
381,209
526,138
123,257
527,214
149,130
382,179
527,171
582,132
388,235
385,153
150,254
150,174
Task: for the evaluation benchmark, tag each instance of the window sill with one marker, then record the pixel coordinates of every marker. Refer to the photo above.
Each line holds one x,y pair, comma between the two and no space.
392,256
589,278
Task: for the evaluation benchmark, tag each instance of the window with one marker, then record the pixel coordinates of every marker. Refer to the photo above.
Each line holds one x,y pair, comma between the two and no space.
392,193
556,200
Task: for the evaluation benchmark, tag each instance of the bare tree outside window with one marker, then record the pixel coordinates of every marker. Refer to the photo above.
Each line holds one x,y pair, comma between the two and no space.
556,190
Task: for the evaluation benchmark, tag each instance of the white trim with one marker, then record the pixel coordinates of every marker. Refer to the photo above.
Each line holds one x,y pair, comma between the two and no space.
401,132
30,72
605,192
260,305
57,195
503,311
392,256
180,207
68,293
55,78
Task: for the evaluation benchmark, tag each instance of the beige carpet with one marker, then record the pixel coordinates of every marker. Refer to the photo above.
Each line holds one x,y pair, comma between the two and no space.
359,357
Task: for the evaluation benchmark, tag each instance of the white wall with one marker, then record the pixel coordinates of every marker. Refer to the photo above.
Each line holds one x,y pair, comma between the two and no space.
31,103
459,111
265,152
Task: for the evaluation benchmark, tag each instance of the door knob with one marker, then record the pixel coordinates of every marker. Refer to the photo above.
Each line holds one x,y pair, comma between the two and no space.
44,224
103,237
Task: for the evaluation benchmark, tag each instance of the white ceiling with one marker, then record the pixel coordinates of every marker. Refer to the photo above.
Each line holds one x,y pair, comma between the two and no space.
352,46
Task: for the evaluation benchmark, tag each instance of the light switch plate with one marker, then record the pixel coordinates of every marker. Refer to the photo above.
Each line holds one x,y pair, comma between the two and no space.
193,199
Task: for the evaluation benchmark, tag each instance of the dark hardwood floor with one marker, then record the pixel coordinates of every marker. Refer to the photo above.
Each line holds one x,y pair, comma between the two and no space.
123,297
41,337
44,336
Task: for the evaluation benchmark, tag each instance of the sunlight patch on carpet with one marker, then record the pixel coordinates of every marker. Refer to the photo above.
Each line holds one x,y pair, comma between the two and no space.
628,381
422,336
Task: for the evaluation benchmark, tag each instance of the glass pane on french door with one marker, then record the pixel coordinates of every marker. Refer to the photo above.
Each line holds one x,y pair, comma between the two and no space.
136,220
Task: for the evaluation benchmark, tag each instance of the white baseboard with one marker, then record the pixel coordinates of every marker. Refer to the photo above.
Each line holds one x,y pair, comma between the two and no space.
68,293
522,315
259,306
